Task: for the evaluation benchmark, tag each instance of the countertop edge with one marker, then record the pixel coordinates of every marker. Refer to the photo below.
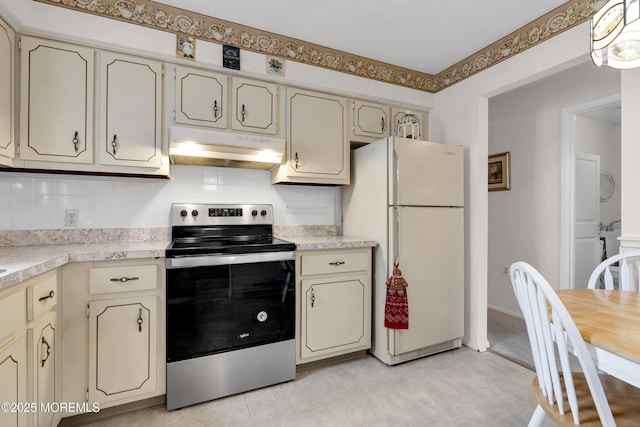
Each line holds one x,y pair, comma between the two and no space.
25,262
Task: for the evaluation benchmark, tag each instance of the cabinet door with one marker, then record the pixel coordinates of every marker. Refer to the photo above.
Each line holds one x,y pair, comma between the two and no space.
130,111
7,92
397,113
370,120
201,98
42,351
255,106
333,315
56,102
317,143
122,348
13,362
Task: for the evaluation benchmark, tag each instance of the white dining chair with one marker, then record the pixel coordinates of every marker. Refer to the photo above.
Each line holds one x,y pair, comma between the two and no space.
566,397
624,266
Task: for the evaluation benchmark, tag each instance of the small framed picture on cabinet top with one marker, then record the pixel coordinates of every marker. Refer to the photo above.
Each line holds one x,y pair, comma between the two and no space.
186,47
230,57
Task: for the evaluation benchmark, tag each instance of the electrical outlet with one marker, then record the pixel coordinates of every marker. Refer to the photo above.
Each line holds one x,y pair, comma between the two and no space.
505,270
71,218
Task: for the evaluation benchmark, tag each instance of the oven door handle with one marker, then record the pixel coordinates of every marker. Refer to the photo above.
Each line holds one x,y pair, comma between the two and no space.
213,260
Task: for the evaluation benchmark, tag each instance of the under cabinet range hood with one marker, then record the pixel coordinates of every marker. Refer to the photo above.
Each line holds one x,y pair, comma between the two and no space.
192,146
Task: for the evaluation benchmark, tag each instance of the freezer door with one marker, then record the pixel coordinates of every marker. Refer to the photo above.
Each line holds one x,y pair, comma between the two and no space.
425,173
429,245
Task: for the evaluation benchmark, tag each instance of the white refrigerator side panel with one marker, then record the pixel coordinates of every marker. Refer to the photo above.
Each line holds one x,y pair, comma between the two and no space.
365,215
430,244
426,173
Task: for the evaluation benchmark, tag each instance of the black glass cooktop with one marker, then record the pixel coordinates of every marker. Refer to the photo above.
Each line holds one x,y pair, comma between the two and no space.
198,241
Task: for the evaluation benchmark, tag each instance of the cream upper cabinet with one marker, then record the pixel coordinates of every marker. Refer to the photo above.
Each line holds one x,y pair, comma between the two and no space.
56,102
201,98
333,288
7,94
369,121
317,145
130,110
254,106
398,112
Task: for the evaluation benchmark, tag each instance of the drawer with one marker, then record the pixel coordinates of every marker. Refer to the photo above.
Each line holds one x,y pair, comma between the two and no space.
12,315
334,262
105,280
42,295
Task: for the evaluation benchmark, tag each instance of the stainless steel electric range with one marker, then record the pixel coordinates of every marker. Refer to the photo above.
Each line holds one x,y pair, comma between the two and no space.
230,303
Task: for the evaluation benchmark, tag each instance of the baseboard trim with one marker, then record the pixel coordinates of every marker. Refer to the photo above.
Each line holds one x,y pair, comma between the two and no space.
82,419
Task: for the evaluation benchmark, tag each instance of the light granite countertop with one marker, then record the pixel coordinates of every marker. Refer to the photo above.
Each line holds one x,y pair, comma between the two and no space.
24,262
305,243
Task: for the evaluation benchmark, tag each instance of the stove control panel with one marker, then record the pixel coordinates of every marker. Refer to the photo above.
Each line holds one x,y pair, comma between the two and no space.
212,214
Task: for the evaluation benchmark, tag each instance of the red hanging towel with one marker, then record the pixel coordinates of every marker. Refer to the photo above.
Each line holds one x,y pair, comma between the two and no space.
396,307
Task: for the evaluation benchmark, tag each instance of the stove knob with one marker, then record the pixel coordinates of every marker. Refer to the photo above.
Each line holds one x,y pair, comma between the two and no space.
263,212
194,213
254,213
183,213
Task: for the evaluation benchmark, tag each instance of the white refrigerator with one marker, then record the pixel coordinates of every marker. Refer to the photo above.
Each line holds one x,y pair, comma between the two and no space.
408,195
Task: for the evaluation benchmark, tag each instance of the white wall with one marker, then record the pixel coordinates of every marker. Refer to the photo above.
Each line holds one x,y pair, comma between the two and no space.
524,222
39,201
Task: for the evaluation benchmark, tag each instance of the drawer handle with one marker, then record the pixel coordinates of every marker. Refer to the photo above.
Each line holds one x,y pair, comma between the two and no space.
336,263
140,320
48,351
313,298
123,279
51,294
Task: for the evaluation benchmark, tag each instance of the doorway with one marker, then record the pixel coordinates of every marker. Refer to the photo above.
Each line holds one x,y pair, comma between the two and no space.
591,128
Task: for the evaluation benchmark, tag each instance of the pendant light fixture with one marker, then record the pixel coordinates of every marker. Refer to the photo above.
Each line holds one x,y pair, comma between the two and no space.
615,35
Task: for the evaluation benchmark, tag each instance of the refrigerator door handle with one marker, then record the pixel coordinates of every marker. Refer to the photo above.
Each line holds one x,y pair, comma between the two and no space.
396,237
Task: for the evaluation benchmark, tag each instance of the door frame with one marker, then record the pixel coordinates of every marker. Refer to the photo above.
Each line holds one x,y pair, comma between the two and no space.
567,181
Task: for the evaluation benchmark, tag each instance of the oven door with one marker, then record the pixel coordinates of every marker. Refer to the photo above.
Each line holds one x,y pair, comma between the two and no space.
221,303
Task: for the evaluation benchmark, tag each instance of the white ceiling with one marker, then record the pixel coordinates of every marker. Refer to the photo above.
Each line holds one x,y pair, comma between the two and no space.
423,35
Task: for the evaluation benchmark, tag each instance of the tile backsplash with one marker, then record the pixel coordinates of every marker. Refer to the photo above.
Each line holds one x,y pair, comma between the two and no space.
39,201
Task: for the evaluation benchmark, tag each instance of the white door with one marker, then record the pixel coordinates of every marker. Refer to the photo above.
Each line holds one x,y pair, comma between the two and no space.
429,246
587,218
426,173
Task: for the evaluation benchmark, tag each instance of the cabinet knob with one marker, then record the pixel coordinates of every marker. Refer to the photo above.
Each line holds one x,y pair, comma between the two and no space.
297,160
76,141
313,298
243,113
215,109
140,320
384,125
114,143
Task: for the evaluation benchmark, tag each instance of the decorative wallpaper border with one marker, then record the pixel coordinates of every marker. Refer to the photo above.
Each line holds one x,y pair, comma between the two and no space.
171,19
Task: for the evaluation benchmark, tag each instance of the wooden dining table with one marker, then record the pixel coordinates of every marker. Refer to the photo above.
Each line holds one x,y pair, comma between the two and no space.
609,322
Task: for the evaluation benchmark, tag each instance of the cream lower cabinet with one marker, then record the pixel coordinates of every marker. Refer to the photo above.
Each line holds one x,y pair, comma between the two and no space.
13,356
42,340
122,348
317,149
334,297
113,344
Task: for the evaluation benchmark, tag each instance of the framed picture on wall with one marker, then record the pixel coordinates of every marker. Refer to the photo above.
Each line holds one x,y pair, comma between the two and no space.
499,172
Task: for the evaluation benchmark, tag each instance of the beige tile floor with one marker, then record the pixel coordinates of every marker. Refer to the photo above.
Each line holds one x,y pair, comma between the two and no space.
455,388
